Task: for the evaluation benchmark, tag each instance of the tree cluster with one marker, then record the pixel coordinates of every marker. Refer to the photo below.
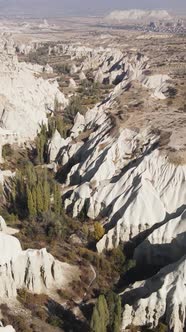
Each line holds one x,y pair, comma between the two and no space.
34,193
106,316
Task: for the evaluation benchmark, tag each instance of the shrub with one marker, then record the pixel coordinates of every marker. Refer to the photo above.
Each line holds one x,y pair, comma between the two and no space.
98,231
54,321
72,109
62,68
7,151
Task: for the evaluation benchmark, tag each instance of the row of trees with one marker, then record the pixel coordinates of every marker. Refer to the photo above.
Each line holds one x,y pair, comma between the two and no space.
34,192
106,316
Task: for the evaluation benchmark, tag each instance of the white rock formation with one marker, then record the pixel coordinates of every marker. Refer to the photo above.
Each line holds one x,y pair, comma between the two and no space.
73,69
56,143
5,174
121,175
156,83
164,245
99,77
36,270
72,84
3,227
79,125
7,328
162,295
137,14
48,69
25,100
112,66
82,76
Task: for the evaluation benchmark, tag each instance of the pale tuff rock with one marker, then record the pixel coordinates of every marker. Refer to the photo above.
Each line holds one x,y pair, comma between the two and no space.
164,245
5,174
156,83
10,248
119,172
48,69
25,99
121,175
162,295
82,76
79,125
27,48
99,76
72,84
113,67
3,227
56,143
36,270
73,69
7,328
137,14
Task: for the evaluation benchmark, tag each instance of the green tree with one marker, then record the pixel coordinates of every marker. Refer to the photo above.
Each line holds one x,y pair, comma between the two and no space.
39,198
30,204
34,197
51,127
57,200
100,316
117,315
30,175
46,194
95,321
72,109
41,141
114,308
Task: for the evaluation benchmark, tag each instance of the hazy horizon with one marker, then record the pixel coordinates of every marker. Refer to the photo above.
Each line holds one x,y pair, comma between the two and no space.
82,7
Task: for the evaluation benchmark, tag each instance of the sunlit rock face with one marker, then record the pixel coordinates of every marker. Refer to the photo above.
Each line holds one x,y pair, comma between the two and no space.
7,328
36,270
117,172
112,66
164,295
25,97
121,177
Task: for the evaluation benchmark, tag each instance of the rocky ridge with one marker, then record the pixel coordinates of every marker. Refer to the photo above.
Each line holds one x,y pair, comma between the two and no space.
35,270
163,295
120,176
25,99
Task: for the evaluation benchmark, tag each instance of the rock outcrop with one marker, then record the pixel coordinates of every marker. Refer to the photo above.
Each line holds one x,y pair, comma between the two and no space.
120,176
137,15
113,67
25,99
7,328
166,244
36,270
163,295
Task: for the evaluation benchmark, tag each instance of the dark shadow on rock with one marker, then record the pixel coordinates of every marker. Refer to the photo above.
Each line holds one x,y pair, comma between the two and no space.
81,155
69,322
150,286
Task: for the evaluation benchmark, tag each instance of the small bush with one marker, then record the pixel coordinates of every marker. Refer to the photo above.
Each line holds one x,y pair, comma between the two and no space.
7,151
72,109
98,231
54,321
